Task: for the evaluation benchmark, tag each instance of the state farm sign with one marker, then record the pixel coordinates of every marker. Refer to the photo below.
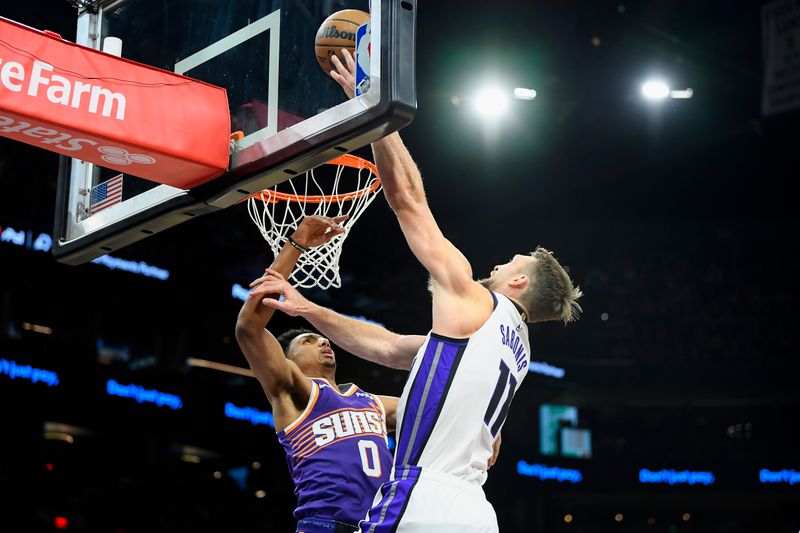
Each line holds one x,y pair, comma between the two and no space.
59,141
113,112
59,89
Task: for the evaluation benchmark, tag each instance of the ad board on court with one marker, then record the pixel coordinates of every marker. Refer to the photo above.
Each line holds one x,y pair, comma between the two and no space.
126,116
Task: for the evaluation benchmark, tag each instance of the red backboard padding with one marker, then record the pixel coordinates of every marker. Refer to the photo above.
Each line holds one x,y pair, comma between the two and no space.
110,111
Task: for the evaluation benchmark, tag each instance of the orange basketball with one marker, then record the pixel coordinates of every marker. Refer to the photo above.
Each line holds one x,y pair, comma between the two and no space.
336,32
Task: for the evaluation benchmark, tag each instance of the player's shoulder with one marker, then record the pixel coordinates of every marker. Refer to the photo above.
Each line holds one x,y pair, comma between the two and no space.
361,393
461,315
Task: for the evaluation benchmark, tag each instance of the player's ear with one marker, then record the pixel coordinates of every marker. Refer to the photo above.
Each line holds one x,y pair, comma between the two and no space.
519,281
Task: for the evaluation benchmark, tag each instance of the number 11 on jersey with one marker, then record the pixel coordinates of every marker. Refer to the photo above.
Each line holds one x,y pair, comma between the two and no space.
506,381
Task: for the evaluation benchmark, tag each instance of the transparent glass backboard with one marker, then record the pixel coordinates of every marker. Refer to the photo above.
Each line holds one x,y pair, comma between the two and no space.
292,114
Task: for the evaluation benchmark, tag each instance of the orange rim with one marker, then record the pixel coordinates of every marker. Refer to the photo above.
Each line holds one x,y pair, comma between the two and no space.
346,160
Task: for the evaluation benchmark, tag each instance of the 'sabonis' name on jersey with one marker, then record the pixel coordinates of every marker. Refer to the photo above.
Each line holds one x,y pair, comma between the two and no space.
510,338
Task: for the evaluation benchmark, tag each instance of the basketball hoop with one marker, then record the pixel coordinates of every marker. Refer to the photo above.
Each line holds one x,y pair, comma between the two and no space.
277,213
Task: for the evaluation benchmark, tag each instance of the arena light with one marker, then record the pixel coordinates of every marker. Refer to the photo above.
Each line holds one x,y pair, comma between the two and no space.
55,435
491,102
61,431
221,367
655,90
681,94
36,328
520,93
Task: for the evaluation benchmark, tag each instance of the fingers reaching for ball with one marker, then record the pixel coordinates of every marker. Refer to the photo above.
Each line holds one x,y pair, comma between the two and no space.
336,32
335,46
345,75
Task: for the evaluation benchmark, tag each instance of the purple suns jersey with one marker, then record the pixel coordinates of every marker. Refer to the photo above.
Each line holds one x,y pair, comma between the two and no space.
337,453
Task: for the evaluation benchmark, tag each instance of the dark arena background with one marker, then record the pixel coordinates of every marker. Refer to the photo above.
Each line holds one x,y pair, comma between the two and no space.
672,406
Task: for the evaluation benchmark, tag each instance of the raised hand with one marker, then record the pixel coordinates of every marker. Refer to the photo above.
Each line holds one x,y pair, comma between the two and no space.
273,283
315,230
345,75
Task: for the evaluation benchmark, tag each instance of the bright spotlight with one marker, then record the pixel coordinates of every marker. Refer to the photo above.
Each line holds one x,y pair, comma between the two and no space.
521,93
683,94
655,90
491,102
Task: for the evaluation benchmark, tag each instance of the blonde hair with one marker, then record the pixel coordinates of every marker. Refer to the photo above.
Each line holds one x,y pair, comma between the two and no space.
550,294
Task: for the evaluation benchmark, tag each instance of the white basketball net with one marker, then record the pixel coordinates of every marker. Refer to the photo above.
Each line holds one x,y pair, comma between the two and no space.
278,213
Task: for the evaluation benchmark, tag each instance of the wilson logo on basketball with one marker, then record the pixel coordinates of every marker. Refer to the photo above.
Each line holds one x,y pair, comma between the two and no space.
42,83
331,32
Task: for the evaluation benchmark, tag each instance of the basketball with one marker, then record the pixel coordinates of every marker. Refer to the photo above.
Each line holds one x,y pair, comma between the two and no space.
336,32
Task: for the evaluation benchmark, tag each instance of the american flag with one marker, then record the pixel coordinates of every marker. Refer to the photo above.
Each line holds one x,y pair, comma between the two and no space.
106,194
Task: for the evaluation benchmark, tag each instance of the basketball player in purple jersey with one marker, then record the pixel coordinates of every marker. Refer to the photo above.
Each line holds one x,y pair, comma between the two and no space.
335,437
464,377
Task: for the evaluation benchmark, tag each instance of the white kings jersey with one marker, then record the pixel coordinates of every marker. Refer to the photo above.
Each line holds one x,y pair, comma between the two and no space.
458,394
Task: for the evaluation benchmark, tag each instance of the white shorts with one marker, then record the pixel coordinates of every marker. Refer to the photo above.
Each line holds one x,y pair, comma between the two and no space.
418,501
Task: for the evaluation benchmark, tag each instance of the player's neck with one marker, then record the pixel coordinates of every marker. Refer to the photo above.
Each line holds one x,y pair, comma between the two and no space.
514,296
521,308
327,375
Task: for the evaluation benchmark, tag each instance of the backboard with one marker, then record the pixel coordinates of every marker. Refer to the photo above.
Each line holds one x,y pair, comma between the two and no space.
293,115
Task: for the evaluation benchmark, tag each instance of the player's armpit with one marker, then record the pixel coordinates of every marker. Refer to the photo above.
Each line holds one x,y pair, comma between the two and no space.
403,349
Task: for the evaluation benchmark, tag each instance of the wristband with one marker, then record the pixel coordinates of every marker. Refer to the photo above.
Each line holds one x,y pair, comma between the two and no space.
296,245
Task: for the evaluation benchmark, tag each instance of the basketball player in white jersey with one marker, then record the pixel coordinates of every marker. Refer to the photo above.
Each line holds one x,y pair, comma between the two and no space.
464,377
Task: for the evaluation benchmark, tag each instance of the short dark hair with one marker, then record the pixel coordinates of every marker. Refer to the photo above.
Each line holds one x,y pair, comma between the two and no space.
286,338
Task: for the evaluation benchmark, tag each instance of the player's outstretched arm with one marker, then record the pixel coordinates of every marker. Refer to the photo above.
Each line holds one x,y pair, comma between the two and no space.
451,273
460,305
263,352
402,185
364,340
